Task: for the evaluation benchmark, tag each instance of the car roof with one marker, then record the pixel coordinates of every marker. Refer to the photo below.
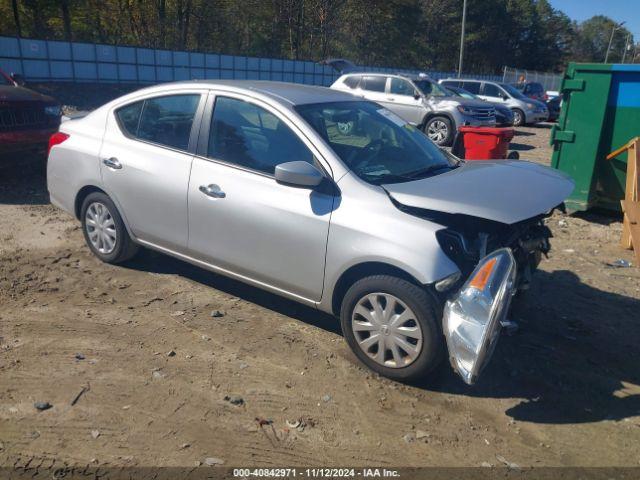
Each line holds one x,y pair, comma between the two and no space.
467,80
282,92
408,76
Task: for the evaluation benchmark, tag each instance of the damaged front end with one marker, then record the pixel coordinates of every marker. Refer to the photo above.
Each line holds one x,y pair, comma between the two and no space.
495,260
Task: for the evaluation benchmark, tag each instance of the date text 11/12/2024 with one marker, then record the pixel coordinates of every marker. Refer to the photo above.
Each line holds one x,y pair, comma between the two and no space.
315,473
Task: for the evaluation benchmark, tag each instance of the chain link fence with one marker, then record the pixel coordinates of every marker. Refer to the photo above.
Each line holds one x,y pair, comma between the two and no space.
550,81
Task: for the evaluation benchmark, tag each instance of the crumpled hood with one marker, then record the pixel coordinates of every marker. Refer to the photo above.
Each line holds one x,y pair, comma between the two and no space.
9,93
506,191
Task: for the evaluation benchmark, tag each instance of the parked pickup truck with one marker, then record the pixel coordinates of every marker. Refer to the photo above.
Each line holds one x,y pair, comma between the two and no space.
27,118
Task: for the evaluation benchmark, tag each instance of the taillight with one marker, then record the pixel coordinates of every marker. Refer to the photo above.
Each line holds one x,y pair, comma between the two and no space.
56,139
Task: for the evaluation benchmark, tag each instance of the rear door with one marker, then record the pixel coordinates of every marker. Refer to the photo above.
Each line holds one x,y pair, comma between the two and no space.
246,223
402,97
374,87
146,161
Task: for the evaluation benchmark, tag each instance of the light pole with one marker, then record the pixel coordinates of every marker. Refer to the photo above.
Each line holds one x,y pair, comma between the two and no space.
464,20
616,27
627,46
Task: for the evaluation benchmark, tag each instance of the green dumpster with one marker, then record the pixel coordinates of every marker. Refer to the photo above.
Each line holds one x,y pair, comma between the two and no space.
600,113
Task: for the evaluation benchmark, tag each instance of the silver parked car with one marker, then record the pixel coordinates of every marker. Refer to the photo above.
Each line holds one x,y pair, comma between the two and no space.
525,109
318,196
421,102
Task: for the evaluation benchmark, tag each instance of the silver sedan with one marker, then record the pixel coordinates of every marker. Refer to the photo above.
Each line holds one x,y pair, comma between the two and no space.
318,196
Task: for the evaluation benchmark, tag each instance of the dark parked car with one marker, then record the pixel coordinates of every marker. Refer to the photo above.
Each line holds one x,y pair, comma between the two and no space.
504,115
554,104
533,90
27,118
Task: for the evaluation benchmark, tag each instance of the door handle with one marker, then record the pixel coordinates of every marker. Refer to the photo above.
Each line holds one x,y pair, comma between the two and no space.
391,99
212,190
112,162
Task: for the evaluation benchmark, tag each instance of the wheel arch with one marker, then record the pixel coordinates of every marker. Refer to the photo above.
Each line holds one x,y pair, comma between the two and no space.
83,193
87,190
362,270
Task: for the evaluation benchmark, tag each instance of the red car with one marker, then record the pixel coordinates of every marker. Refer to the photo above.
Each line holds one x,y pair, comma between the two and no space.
27,118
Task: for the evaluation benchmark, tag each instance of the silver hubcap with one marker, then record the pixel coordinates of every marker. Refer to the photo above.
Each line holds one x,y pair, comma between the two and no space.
437,131
517,118
386,330
101,229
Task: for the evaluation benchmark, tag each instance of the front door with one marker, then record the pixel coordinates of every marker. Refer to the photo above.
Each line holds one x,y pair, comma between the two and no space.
240,219
493,93
145,165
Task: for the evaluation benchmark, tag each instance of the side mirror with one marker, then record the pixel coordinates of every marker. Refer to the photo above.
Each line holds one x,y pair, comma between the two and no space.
505,97
18,79
416,95
298,174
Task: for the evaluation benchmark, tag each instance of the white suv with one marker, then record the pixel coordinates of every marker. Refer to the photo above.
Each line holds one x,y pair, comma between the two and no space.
421,102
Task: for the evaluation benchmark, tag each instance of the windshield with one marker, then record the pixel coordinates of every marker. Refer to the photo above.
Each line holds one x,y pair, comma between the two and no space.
514,92
430,88
374,143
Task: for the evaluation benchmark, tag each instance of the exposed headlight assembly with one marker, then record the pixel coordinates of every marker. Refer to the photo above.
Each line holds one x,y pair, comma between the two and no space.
472,318
53,110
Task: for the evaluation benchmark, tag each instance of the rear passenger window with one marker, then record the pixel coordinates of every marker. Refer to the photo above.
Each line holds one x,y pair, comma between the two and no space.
352,82
472,87
249,136
168,120
374,84
128,118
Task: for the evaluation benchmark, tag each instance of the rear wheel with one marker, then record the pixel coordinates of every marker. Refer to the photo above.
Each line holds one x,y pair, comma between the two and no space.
104,230
391,326
518,117
439,130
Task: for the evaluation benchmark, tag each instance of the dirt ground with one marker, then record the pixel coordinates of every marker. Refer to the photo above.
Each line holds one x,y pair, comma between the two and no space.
177,363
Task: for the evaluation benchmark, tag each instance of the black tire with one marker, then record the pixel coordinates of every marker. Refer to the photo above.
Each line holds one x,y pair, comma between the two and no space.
124,248
445,141
424,306
519,119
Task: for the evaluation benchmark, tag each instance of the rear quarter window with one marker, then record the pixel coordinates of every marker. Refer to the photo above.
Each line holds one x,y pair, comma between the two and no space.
352,82
128,118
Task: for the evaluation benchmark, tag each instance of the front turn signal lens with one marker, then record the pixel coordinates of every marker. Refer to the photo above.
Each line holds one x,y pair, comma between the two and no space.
483,275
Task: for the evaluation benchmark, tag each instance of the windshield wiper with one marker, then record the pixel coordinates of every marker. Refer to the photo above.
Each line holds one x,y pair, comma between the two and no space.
423,172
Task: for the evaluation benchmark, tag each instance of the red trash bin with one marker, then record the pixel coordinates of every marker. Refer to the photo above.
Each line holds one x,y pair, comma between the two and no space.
486,143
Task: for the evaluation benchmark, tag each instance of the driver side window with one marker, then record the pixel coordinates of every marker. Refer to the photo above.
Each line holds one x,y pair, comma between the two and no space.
401,87
491,90
249,136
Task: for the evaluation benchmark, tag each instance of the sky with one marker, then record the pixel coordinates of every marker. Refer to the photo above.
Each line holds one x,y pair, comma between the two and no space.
618,10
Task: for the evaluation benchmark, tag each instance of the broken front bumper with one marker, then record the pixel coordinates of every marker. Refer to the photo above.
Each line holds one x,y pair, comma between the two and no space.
472,318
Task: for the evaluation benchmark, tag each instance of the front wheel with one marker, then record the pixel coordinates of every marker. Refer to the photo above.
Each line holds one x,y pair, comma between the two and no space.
518,118
439,130
391,326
